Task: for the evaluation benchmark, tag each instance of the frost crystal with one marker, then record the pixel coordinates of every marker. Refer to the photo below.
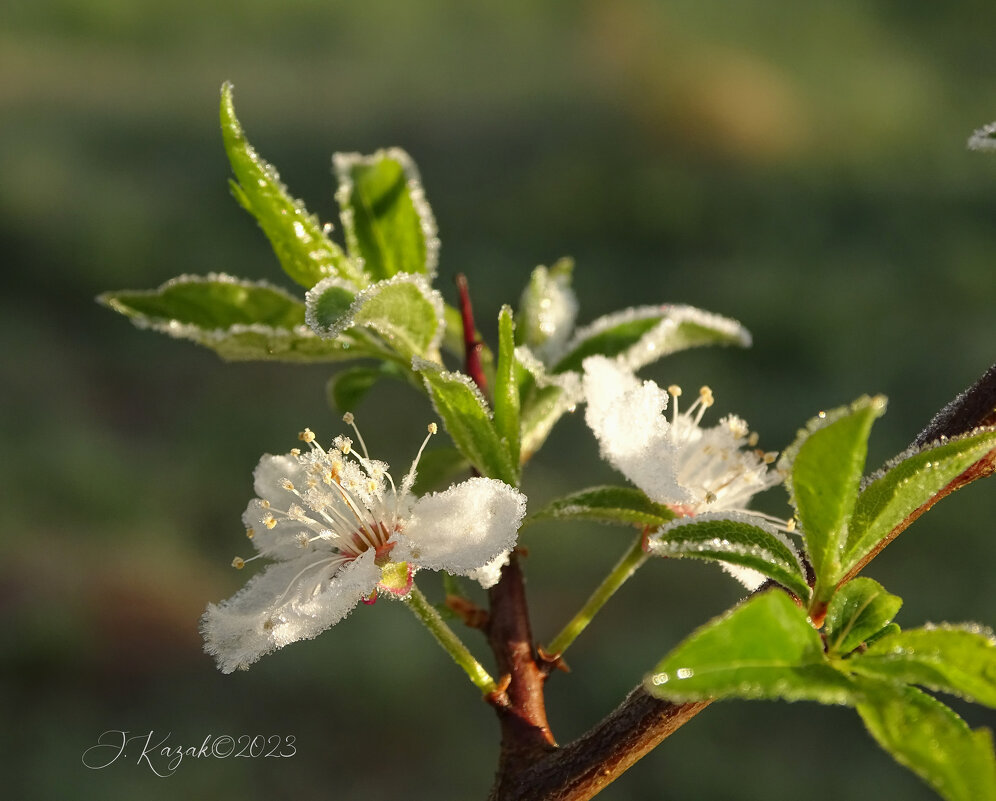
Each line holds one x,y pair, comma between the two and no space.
338,529
674,461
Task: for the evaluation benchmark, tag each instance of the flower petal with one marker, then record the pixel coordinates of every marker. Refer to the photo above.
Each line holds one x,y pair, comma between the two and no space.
626,416
463,528
287,602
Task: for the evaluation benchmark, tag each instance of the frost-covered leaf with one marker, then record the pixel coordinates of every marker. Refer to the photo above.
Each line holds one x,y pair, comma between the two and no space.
547,311
826,463
954,659
627,506
403,311
386,218
466,416
506,395
240,320
544,399
857,612
300,243
348,387
900,491
734,539
642,335
931,740
763,649
984,138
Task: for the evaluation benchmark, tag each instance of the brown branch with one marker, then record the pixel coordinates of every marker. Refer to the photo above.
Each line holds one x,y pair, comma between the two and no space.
525,732
584,768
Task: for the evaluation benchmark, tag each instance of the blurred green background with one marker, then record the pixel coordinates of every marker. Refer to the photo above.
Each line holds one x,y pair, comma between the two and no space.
799,167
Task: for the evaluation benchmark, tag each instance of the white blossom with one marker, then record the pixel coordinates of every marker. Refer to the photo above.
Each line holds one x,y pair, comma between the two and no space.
673,459
338,531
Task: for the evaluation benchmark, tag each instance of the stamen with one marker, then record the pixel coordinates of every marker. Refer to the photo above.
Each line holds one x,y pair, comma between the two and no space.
409,480
675,392
347,418
307,436
250,533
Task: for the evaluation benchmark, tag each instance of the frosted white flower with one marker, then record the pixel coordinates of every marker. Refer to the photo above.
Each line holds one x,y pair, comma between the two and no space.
674,460
338,530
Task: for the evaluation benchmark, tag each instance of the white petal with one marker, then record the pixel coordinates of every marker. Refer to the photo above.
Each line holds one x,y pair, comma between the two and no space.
270,474
489,574
287,602
626,416
463,528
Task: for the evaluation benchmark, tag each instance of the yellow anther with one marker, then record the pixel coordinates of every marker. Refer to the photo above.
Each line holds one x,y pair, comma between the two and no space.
250,533
307,435
705,395
674,391
770,456
347,418
752,439
287,484
433,428
238,563
790,525
265,504
269,521
371,486
295,451
345,445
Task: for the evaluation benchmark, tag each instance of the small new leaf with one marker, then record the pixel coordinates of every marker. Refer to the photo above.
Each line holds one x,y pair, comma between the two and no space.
960,660
239,320
857,612
404,312
506,395
642,335
766,648
626,506
735,540
300,243
385,216
826,462
467,419
930,739
902,491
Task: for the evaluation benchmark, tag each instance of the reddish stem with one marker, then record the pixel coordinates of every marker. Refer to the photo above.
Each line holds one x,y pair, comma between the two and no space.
471,344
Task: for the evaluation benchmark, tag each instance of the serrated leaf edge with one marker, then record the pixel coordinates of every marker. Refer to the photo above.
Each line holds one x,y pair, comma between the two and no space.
343,163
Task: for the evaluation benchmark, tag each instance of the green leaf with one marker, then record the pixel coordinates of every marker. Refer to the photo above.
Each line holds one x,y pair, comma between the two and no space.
348,387
437,469
464,412
902,488
544,399
763,649
827,460
240,320
857,612
547,309
305,252
931,740
627,506
386,218
644,334
736,540
404,312
506,387
951,659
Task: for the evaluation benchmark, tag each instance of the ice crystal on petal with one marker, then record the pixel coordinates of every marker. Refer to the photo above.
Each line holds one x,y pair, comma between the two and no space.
672,458
676,462
335,524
